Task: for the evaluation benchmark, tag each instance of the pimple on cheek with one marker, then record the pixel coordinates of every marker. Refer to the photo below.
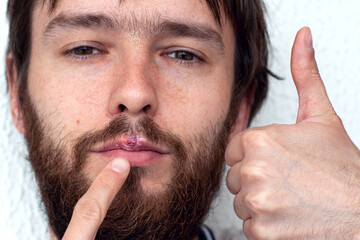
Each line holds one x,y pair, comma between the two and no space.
78,121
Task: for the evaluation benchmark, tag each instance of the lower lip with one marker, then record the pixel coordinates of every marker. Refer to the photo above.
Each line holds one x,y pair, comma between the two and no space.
135,158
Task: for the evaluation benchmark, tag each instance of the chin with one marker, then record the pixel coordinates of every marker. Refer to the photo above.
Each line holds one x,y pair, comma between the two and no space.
151,186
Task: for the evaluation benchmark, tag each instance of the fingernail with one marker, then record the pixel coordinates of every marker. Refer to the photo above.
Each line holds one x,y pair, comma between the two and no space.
119,165
308,39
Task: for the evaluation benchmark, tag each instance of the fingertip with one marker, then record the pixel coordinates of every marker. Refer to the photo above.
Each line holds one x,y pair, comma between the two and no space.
234,151
305,34
120,165
303,41
303,63
308,38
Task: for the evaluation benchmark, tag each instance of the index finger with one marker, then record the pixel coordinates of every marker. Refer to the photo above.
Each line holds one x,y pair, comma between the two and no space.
91,209
234,151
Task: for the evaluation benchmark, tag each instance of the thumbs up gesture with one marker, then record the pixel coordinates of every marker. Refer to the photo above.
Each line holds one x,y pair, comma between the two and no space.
299,181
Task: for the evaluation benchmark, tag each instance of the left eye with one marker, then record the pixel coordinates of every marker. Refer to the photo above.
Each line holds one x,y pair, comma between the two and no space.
85,50
182,55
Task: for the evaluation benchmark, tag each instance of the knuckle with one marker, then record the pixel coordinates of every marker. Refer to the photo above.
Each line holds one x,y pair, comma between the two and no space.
258,230
263,203
89,211
230,157
255,138
335,120
232,182
246,173
233,152
238,205
253,171
314,71
253,202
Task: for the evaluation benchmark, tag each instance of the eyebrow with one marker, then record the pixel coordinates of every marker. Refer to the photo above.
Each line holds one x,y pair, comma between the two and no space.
156,26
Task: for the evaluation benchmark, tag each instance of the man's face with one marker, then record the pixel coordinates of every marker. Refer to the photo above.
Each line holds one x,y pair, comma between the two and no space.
149,81
82,78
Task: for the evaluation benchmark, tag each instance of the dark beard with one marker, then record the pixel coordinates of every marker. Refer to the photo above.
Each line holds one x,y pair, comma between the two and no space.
176,213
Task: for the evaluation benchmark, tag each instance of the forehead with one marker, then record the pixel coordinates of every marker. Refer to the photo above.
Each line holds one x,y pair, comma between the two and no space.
135,17
183,10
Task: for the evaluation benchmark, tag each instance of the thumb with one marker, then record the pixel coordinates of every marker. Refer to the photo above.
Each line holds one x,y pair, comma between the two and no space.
314,104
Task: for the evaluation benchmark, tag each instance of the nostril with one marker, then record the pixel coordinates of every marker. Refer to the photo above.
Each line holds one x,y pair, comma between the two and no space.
146,108
122,107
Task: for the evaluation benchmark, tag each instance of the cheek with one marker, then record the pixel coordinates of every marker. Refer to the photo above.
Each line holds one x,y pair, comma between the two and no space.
71,103
193,103
205,109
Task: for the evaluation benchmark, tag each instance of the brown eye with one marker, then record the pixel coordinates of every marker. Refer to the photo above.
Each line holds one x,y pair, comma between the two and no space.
185,56
84,50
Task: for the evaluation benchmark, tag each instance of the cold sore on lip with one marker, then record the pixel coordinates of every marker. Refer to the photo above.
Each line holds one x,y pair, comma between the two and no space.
132,141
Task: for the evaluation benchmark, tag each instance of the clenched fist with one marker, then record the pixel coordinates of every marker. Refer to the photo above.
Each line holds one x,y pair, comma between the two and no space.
299,181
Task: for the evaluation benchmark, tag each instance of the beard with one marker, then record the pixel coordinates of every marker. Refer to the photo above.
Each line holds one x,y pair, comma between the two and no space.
177,212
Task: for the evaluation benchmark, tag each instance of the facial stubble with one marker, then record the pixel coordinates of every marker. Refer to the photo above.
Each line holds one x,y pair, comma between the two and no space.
175,213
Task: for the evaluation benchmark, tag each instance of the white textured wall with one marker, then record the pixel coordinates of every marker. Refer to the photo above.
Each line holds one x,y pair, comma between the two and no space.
336,30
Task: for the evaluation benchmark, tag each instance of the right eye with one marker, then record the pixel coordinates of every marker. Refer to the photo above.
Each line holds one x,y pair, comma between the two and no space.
85,50
183,56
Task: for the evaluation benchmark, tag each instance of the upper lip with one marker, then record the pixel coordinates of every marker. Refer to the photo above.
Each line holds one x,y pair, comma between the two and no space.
141,144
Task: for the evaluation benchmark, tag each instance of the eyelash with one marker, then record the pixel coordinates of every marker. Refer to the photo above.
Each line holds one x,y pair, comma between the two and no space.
196,59
72,53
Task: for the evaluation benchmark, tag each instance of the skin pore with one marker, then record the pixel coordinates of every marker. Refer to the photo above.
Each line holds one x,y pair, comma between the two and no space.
141,68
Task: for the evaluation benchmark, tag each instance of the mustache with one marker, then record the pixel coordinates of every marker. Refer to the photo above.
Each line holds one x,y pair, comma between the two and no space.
120,126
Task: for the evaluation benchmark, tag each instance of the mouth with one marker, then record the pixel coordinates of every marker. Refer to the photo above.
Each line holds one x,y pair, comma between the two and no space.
136,149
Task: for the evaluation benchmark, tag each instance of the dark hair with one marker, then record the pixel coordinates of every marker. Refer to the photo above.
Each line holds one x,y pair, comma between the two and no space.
247,18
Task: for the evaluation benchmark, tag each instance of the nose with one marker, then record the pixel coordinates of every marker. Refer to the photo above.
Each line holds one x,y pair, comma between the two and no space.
135,92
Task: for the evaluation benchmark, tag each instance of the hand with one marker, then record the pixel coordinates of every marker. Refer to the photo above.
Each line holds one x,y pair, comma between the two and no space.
298,181
91,209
